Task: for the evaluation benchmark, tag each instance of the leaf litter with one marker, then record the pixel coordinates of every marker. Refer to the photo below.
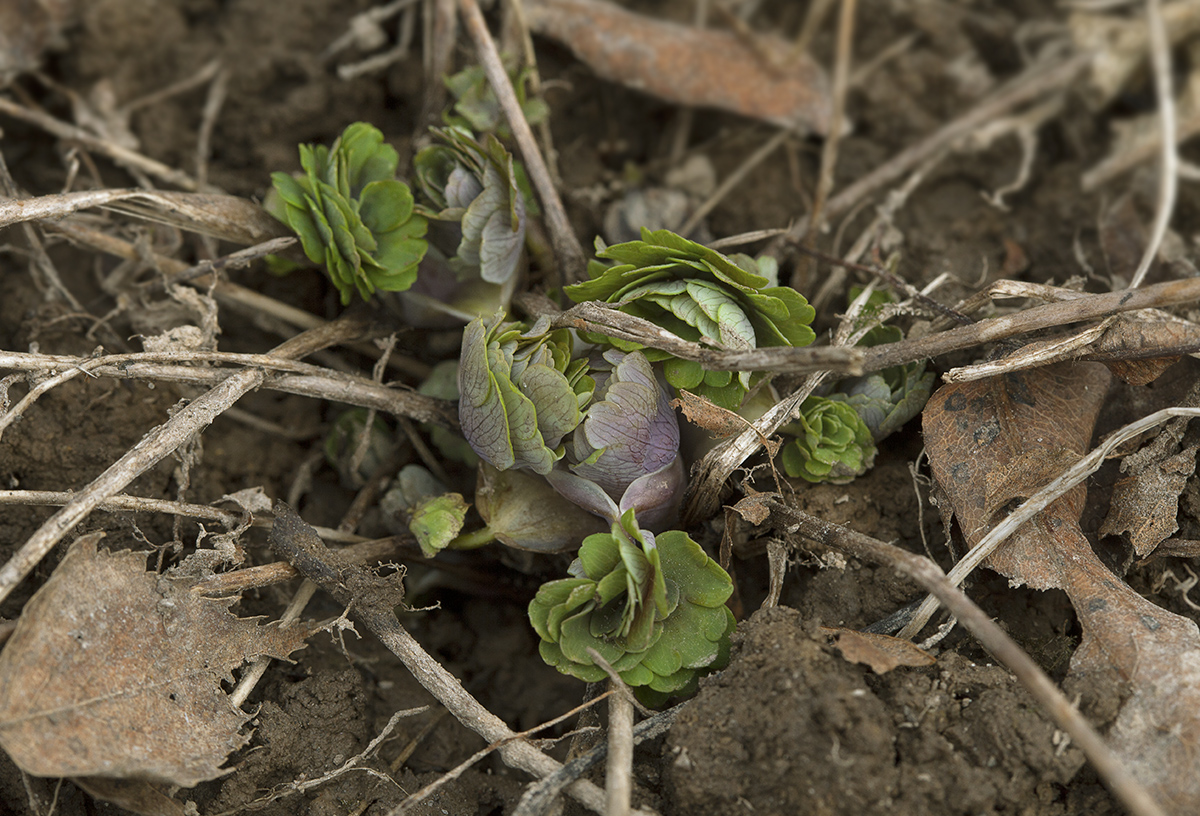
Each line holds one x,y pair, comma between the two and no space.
998,429
116,672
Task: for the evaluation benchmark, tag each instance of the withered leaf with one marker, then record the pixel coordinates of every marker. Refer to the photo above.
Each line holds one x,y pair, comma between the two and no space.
754,508
973,432
702,67
881,652
1145,505
116,672
718,421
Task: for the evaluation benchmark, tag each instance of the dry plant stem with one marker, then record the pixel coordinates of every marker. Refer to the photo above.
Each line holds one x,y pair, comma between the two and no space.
538,796
409,805
567,248
124,504
1036,81
287,376
829,151
598,317
709,474
157,444
1168,171
926,573
1039,502
123,156
1086,307
619,768
299,544
263,575
231,294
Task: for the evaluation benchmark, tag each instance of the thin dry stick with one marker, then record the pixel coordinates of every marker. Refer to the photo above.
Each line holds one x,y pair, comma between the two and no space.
1036,81
566,246
829,151
926,573
228,293
157,444
409,805
1168,173
619,768
169,366
121,155
1085,307
1039,502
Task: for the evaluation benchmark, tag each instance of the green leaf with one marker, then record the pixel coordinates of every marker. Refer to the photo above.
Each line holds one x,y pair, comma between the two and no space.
831,443
516,401
699,295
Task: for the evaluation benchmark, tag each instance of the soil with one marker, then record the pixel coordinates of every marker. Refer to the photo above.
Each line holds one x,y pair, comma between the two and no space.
790,727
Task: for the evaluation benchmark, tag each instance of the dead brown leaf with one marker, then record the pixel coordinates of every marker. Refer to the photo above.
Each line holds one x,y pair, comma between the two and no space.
973,433
116,672
690,66
1145,504
881,652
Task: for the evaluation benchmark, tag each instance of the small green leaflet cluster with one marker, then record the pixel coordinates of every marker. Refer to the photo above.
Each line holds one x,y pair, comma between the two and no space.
700,295
476,185
835,437
652,606
832,443
352,214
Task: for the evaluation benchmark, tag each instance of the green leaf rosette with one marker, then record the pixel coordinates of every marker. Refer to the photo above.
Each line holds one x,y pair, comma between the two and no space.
699,295
476,185
652,606
520,392
352,214
830,443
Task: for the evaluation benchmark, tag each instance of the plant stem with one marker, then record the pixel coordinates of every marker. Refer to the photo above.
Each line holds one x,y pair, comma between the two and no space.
472,540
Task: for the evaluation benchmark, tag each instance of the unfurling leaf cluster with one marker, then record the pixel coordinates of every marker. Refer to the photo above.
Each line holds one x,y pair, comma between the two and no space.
653,607
476,185
520,392
352,214
699,295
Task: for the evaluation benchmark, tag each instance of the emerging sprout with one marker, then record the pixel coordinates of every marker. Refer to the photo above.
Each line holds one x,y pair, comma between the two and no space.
520,392
832,443
699,295
523,511
352,214
476,184
624,455
887,399
652,606
477,108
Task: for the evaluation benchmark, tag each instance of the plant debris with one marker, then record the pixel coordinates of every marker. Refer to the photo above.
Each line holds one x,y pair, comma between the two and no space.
116,672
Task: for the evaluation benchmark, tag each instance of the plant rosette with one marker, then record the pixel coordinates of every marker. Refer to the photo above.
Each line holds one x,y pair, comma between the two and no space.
653,607
352,214
831,443
699,295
